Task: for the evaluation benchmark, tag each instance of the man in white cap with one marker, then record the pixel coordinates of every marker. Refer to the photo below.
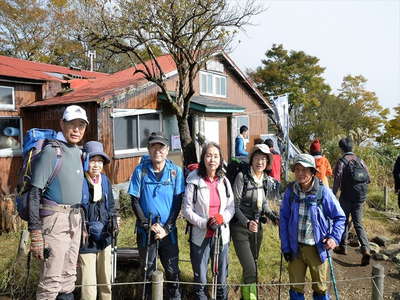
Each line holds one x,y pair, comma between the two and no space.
54,207
311,223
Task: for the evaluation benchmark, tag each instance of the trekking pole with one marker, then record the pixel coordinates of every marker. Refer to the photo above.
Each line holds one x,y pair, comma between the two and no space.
114,227
157,241
255,234
215,264
332,274
147,257
280,278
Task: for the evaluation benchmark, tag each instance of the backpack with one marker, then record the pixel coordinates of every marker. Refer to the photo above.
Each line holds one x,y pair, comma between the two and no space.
354,172
34,142
235,167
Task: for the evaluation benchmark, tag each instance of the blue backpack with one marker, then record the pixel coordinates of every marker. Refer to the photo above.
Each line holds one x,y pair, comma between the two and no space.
34,141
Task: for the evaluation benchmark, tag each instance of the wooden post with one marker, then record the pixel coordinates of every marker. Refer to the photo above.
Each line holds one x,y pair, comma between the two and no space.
157,285
386,196
378,274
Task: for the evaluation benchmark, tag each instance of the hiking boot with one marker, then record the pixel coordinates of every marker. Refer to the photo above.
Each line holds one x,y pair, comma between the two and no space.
340,250
365,259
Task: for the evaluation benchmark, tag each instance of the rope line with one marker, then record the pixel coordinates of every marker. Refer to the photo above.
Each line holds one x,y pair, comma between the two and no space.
234,284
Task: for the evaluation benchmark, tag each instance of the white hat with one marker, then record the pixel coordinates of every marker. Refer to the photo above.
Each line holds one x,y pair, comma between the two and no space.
262,147
73,112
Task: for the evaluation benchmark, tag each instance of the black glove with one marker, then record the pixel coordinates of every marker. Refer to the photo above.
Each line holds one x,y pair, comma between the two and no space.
145,226
274,217
288,256
263,219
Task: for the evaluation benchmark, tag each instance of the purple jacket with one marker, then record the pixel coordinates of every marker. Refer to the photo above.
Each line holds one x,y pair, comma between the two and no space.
327,218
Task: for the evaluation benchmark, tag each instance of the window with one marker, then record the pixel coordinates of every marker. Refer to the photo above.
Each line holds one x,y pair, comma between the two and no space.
212,84
132,131
7,101
10,136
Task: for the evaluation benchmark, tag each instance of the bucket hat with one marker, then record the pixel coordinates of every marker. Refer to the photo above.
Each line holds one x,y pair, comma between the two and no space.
94,148
306,160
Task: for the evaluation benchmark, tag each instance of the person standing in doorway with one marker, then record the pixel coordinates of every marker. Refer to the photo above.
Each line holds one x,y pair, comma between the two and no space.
240,142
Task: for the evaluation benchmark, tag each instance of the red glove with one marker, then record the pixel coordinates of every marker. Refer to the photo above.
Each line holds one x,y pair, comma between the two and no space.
219,219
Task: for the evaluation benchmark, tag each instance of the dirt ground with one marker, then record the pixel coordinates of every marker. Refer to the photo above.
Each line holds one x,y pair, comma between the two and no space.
347,267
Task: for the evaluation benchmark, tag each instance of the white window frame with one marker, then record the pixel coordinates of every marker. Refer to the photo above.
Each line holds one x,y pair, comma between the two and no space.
9,152
118,113
214,77
8,106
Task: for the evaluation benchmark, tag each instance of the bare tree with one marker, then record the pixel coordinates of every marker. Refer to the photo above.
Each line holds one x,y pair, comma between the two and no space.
191,31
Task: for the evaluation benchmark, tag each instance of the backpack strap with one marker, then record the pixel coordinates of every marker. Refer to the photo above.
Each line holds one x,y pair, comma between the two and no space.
59,153
228,194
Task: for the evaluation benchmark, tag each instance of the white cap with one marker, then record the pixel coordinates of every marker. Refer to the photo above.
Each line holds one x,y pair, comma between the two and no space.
73,112
262,147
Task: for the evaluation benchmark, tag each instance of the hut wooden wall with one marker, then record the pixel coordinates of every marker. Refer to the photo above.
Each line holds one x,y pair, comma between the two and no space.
240,95
10,166
120,168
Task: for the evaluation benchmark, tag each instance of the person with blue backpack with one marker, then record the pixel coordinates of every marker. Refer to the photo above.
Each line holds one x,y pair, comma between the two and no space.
351,176
311,224
156,189
100,213
54,207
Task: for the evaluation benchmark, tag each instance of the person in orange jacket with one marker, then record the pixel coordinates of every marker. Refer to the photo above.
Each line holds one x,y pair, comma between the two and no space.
322,163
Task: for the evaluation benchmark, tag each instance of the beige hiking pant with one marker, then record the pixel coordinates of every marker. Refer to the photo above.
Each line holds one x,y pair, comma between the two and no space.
96,268
308,258
62,234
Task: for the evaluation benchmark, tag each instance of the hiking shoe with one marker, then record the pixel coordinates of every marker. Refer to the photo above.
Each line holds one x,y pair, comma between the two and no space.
365,259
340,250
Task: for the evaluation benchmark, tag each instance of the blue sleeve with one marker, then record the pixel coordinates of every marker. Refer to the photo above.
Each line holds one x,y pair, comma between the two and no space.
335,213
135,183
239,147
284,216
180,182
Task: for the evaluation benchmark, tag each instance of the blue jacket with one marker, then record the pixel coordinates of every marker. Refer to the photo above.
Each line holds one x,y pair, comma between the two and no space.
98,211
327,218
240,149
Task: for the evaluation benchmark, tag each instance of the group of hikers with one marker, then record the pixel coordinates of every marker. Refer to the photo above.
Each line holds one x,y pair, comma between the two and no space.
73,217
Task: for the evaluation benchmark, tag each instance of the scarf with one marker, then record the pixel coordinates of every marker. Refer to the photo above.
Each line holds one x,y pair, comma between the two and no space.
97,190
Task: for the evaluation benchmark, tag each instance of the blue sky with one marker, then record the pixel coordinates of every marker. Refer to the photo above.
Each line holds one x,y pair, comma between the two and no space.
349,37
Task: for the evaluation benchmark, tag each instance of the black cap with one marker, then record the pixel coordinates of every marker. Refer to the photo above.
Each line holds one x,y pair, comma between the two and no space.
157,138
346,144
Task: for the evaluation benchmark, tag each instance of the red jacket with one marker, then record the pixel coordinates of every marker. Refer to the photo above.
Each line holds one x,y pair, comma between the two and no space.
276,166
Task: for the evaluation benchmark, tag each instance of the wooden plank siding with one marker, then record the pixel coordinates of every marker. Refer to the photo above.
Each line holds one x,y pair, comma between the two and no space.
239,95
9,166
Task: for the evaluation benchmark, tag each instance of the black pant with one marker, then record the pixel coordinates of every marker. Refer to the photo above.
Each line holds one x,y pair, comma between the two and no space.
354,208
169,256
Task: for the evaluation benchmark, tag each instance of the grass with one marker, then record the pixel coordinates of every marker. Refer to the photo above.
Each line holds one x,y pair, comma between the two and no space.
13,272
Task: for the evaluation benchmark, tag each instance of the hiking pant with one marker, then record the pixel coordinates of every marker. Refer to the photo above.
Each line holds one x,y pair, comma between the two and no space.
200,256
244,242
62,235
308,258
355,209
96,268
169,256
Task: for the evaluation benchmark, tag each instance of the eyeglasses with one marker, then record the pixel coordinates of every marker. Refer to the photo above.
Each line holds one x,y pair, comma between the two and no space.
99,162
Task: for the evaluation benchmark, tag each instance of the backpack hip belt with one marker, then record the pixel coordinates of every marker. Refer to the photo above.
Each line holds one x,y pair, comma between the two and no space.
61,208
